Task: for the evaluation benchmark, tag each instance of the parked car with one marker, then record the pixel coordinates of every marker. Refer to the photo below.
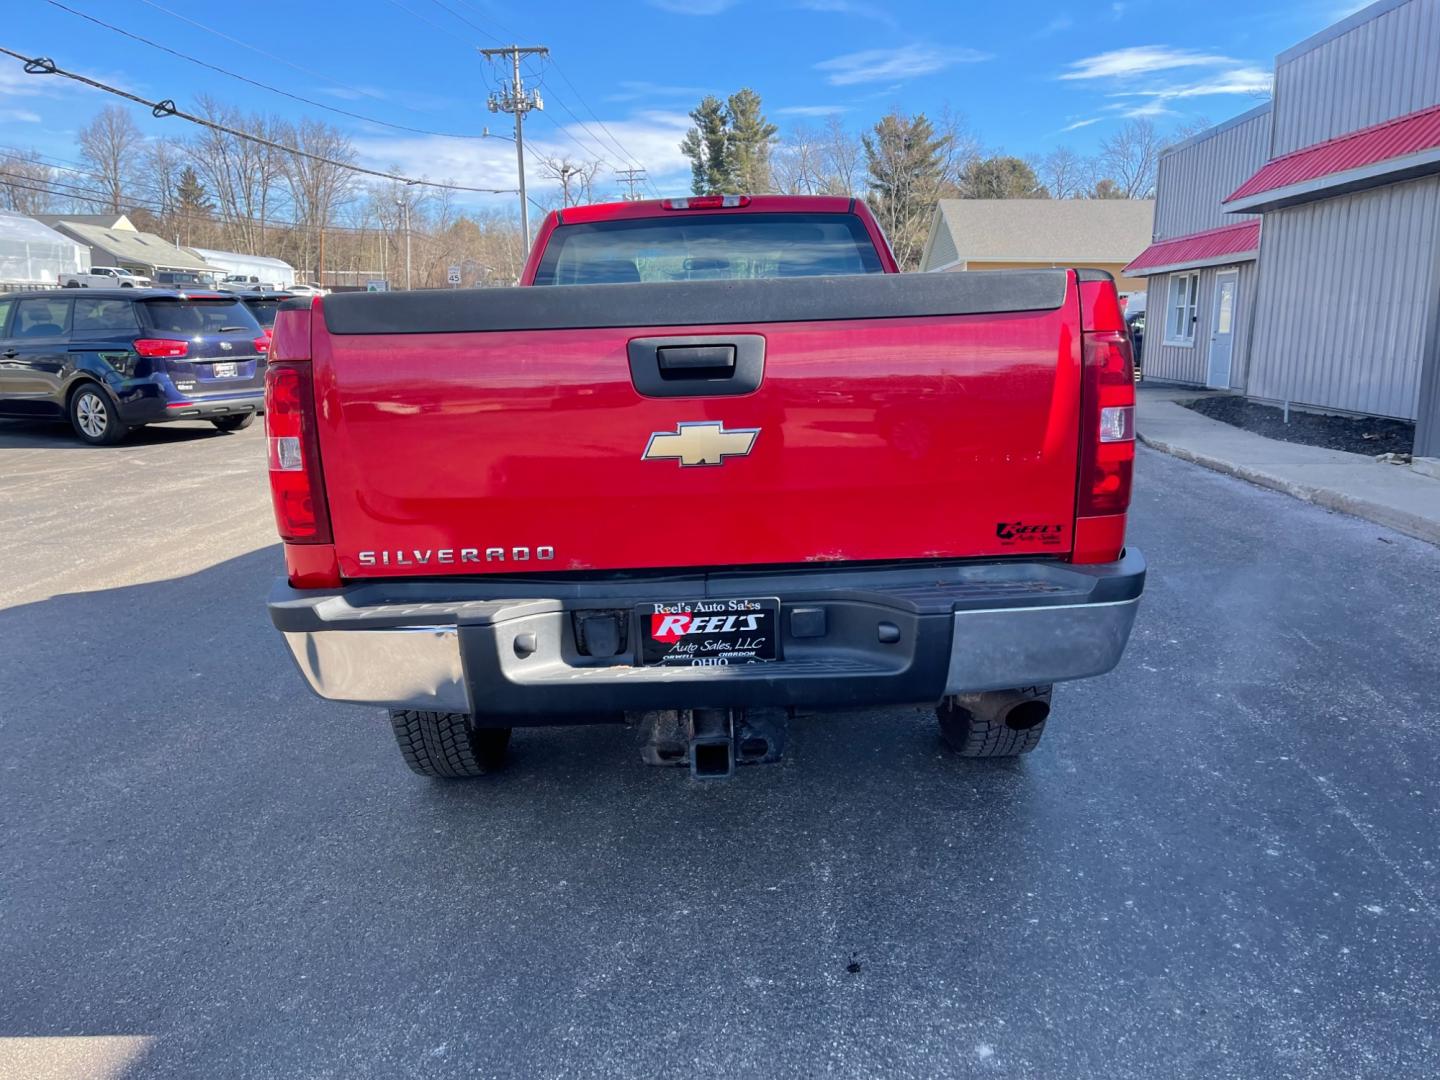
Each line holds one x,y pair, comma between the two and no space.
181,279
1136,325
719,461
264,304
118,359
245,283
105,277
307,288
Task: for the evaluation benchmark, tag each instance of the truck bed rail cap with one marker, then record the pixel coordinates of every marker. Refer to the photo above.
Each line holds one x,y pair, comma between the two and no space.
693,303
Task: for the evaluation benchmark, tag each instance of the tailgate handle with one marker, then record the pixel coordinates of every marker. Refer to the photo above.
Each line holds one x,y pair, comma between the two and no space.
681,361
702,365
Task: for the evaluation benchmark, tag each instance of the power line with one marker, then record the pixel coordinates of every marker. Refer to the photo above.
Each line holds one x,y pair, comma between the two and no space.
43,65
268,55
255,82
467,22
84,194
633,160
625,155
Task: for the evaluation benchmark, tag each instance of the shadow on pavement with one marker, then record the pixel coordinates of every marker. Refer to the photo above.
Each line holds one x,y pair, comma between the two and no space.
201,854
58,435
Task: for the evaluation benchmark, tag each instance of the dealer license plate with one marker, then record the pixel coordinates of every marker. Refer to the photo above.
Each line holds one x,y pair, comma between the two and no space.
224,370
709,633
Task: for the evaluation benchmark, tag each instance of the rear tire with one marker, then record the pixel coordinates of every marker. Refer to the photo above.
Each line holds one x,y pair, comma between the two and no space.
95,418
999,724
234,423
447,745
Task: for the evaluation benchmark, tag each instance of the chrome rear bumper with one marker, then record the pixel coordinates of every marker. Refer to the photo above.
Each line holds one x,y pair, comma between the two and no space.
888,638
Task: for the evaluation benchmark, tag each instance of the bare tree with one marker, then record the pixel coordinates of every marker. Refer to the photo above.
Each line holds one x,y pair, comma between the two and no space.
1130,156
26,184
109,145
243,175
161,162
318,187
577,178
962,147
844,157
798,165
1064,173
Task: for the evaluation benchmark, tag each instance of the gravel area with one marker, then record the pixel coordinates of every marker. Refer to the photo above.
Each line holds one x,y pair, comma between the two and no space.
1356,435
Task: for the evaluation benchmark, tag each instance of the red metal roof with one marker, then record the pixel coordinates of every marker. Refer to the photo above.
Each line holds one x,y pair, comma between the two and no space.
1404,135
1199,248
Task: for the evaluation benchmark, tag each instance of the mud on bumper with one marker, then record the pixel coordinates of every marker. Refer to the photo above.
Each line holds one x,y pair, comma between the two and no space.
514,648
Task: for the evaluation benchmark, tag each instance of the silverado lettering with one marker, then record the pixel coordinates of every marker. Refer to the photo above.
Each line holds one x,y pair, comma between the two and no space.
417,557
905,418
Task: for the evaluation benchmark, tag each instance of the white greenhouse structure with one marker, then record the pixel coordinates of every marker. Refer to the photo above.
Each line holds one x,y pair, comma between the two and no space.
272,272
32,254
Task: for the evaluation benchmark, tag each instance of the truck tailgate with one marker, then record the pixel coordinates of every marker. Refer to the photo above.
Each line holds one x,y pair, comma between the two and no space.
905,417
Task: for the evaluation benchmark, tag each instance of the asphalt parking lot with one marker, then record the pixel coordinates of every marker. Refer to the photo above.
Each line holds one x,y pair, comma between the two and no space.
1223,861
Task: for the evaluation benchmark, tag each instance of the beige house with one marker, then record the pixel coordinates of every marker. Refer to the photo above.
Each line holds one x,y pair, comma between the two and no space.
1022,234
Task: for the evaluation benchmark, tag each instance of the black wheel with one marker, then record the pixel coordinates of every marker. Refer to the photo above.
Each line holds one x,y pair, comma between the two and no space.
448,744
72,284
1002,723
127,284
234,423
94,418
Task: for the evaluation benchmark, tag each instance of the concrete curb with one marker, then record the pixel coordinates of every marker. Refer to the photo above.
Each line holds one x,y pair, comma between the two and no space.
1416,525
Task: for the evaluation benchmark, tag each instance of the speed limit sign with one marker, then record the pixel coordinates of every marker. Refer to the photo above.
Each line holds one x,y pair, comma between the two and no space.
453,277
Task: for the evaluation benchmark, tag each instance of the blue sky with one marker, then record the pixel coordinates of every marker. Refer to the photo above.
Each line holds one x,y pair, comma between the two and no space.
1028,76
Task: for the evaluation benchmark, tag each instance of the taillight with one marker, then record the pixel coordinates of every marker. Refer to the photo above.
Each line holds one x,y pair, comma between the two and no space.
706,202
160,347
296,485
262,344
1107,452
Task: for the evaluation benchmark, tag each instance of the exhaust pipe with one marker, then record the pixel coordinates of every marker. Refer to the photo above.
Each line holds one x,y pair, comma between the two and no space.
1027,714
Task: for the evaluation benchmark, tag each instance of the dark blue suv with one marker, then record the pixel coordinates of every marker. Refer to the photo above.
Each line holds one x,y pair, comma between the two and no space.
112,360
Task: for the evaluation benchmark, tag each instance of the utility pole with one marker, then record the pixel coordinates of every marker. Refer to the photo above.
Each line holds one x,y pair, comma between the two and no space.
517,100
404,205
631,177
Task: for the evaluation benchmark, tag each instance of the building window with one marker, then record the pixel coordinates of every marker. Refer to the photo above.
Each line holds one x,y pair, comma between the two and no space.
1180,312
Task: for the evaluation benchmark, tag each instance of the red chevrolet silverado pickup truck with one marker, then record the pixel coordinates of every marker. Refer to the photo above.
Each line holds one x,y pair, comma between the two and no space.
717,460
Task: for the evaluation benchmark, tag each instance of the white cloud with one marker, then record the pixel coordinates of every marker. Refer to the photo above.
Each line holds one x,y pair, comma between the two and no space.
1140,60
694,7
1054,26
811,110
882,65
639,90
1247,80
653,138
1078,124
858,8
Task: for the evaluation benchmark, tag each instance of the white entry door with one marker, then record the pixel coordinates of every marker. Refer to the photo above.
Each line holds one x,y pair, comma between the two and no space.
1222,329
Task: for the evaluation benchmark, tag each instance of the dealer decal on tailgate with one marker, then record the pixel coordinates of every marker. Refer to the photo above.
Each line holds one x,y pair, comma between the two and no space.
1029,534
709,633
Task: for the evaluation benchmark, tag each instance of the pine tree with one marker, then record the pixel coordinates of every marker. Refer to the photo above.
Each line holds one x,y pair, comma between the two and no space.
707,146
192,202
729,146
1000,178
748,142
905,161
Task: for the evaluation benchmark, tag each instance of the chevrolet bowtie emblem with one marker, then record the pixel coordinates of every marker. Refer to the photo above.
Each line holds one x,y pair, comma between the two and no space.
703,442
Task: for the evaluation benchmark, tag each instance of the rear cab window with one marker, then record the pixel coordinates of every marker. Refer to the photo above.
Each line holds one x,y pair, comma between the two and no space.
707,247
199,315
